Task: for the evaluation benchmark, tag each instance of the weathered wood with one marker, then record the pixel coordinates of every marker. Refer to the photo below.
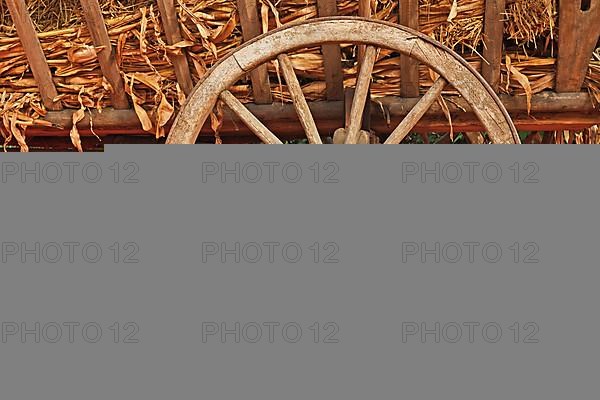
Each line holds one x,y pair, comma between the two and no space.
474,137
549,109
545,102
364,8
253,123
364,11
34,53
579,33
229,69
415,115
251,28
306,119
348,100
486,111
493,40
168,15
361,94
524,122
332,55
328,120
409,68
106,55
366,114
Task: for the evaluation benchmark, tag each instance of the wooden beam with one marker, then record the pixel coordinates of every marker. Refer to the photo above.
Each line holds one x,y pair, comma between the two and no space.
365,11
302,109
409,68
34,53
550,111
289,128
416,113
251,27
106,56
361,97
170,21
332,55
249,119
493,40
579,33
364,8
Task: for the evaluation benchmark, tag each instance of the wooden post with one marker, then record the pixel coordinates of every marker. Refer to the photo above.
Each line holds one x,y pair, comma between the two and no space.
579,32
493,40
168,15
364,10
332,56
34,53
261,88
106,56
409,68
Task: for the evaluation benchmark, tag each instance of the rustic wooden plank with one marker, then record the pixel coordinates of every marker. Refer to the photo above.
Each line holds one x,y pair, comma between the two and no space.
251,27
579,33
332,55
549,109
327,121
34,53
364,8
409,68
348,100
365,11
493,39
168,15
106,56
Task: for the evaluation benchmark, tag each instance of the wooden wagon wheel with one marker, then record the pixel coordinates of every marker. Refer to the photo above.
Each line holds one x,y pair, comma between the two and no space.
275,44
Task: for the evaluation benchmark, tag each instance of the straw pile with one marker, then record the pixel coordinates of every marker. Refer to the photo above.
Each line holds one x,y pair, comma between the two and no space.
211,29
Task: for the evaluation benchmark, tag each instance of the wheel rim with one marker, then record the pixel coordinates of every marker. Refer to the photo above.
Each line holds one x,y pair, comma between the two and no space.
373,33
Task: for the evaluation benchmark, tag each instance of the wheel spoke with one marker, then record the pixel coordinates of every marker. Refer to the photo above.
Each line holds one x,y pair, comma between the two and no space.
249,119
300,104
360,95
415,115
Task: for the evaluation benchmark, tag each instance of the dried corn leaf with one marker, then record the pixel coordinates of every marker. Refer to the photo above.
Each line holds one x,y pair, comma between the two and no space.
74,134
523,81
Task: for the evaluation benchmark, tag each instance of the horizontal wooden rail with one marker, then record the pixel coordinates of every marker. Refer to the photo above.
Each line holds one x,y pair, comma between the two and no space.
550,111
